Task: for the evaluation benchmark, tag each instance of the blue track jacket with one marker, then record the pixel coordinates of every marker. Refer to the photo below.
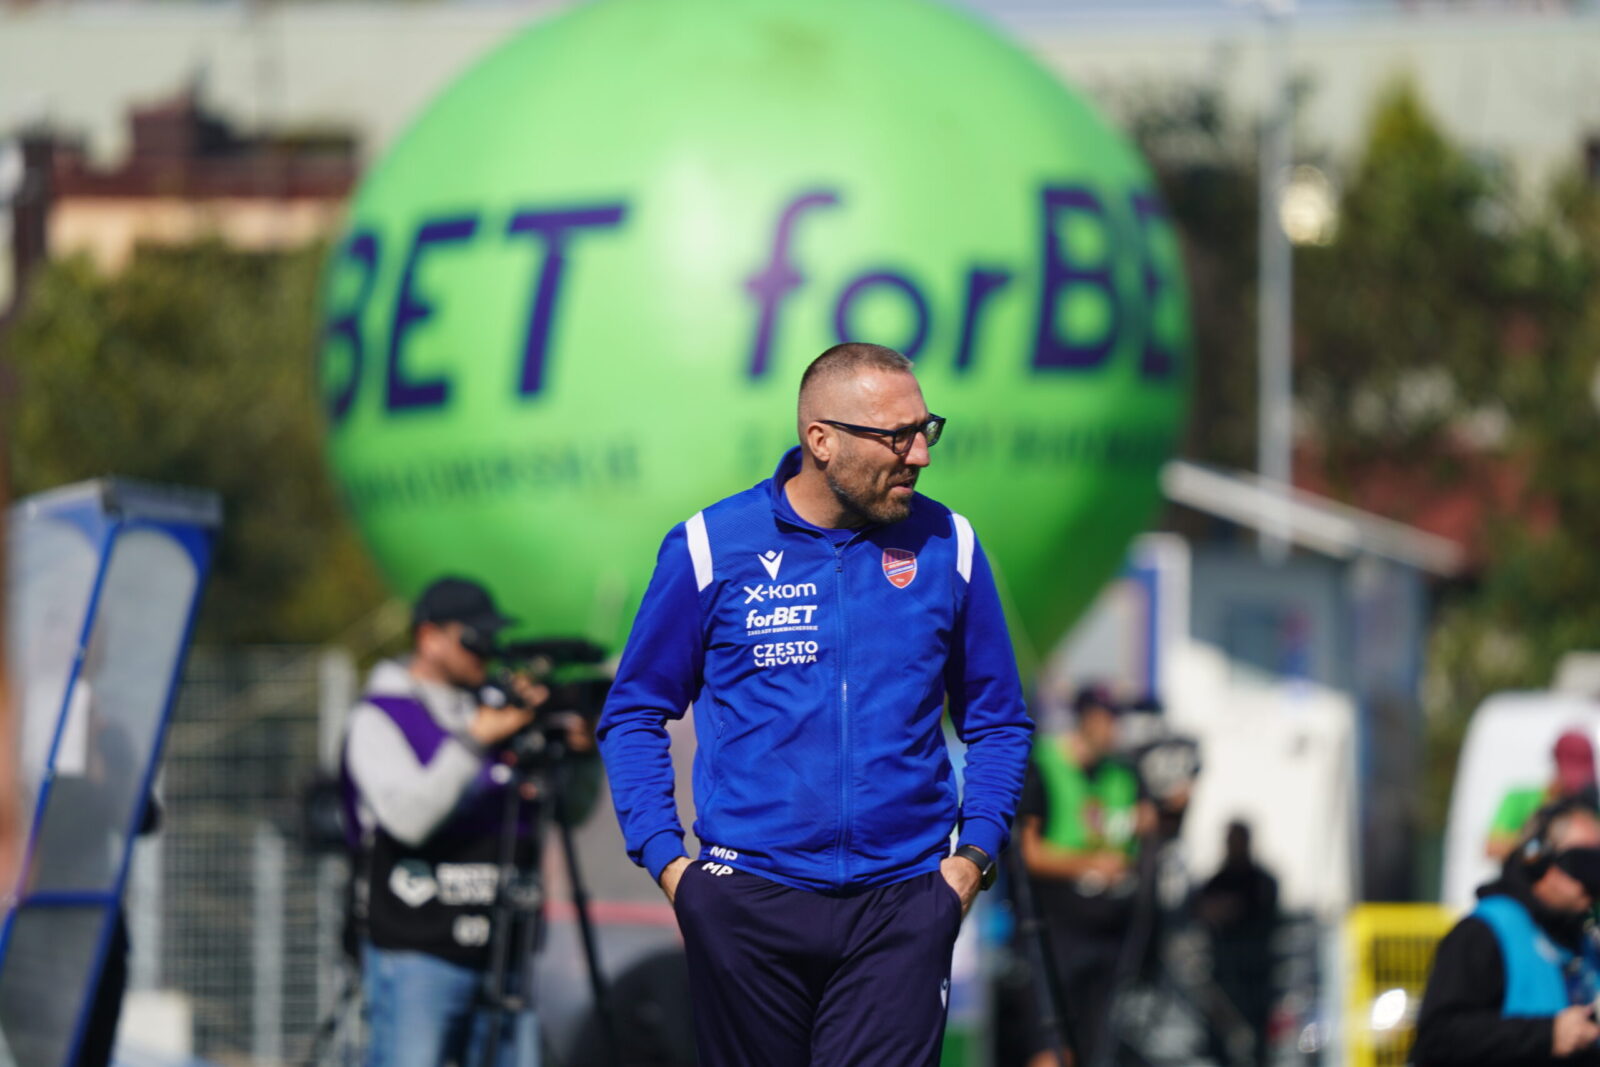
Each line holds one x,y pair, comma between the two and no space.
818,663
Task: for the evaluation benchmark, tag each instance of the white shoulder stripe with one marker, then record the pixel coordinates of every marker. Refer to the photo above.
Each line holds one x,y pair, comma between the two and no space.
699,548
964,543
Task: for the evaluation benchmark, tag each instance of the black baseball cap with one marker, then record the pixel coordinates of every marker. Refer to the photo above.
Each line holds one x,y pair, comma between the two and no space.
1095,695
459,600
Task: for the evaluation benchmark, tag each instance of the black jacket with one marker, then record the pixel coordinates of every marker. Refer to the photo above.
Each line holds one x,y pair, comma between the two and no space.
1460,1021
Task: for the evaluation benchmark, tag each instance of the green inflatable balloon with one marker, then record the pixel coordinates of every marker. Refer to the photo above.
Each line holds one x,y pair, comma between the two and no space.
573,303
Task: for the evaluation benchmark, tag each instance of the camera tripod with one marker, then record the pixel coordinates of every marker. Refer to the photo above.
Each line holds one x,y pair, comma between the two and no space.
540,763
1050,999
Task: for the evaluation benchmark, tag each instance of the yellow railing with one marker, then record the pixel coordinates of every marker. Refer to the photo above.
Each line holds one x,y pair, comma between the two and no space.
1388,953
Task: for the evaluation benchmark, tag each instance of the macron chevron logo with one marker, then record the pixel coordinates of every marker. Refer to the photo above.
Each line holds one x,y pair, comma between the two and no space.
771,561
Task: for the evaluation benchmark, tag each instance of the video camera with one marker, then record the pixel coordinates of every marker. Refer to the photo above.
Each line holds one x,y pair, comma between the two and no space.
567,666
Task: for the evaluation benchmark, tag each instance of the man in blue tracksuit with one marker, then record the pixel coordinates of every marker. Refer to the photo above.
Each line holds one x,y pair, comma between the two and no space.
818,622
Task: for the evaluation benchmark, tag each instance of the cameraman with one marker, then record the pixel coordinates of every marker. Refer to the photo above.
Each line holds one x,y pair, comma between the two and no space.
1515,981
425,774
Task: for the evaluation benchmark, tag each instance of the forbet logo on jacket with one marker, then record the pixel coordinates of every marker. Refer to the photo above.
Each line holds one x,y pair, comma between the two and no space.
574,301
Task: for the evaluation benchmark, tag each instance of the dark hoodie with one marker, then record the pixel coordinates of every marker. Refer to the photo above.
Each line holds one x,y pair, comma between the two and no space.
1460,1021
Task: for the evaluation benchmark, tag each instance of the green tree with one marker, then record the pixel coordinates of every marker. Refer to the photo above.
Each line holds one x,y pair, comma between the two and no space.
1450,331
192,366
1539,596
1399,322
1204,162
1450,337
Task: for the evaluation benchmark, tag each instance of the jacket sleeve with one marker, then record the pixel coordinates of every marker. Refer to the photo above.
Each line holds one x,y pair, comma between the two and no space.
989,714
408,798
658,677
1460,1018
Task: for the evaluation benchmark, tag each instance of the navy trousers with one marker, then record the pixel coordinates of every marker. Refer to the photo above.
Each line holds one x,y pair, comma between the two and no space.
782,977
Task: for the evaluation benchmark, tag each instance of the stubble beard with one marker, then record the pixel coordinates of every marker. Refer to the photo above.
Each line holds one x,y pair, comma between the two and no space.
862,504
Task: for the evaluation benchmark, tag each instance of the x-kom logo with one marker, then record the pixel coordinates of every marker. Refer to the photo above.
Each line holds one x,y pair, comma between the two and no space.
760,594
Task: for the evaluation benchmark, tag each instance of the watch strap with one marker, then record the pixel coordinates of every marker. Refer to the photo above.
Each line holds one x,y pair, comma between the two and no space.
988,869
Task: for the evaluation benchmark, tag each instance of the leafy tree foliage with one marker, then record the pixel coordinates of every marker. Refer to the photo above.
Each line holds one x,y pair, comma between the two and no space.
1539,596
1205,165
1400,321
1449,333
191,366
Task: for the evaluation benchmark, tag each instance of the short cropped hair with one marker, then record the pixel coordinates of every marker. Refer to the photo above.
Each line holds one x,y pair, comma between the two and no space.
850,359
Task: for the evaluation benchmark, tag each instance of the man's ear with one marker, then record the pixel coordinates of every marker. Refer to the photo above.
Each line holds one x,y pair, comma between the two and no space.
427,637
819,442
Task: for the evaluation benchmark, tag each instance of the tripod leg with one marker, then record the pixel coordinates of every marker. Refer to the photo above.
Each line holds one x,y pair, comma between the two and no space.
580,902
1130,956
344,1003
498,1000
1047,987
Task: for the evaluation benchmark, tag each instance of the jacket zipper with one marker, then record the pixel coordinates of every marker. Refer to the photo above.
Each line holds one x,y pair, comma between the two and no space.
842,845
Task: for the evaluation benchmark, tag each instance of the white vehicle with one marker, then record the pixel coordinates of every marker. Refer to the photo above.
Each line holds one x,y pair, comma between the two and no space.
1508,746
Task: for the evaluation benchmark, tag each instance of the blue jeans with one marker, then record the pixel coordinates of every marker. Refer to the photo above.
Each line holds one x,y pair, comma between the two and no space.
423,1011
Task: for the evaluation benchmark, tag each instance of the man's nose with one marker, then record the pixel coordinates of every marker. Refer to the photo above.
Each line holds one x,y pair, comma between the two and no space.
917,454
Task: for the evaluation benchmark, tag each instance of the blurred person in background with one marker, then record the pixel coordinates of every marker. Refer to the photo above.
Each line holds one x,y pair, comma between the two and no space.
425,774
1168,764
1080,819
1238,907
1515,981
1574,777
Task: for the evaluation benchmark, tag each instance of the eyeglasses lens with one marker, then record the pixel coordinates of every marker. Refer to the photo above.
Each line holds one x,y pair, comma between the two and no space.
930,430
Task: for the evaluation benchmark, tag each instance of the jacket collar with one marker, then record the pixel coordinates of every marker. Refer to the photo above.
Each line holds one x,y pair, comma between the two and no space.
788,466
783,511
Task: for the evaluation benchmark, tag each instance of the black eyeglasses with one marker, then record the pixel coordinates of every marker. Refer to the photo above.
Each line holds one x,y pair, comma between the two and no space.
899,440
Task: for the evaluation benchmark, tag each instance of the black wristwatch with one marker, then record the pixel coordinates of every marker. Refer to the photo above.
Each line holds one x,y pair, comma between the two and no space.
988,869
